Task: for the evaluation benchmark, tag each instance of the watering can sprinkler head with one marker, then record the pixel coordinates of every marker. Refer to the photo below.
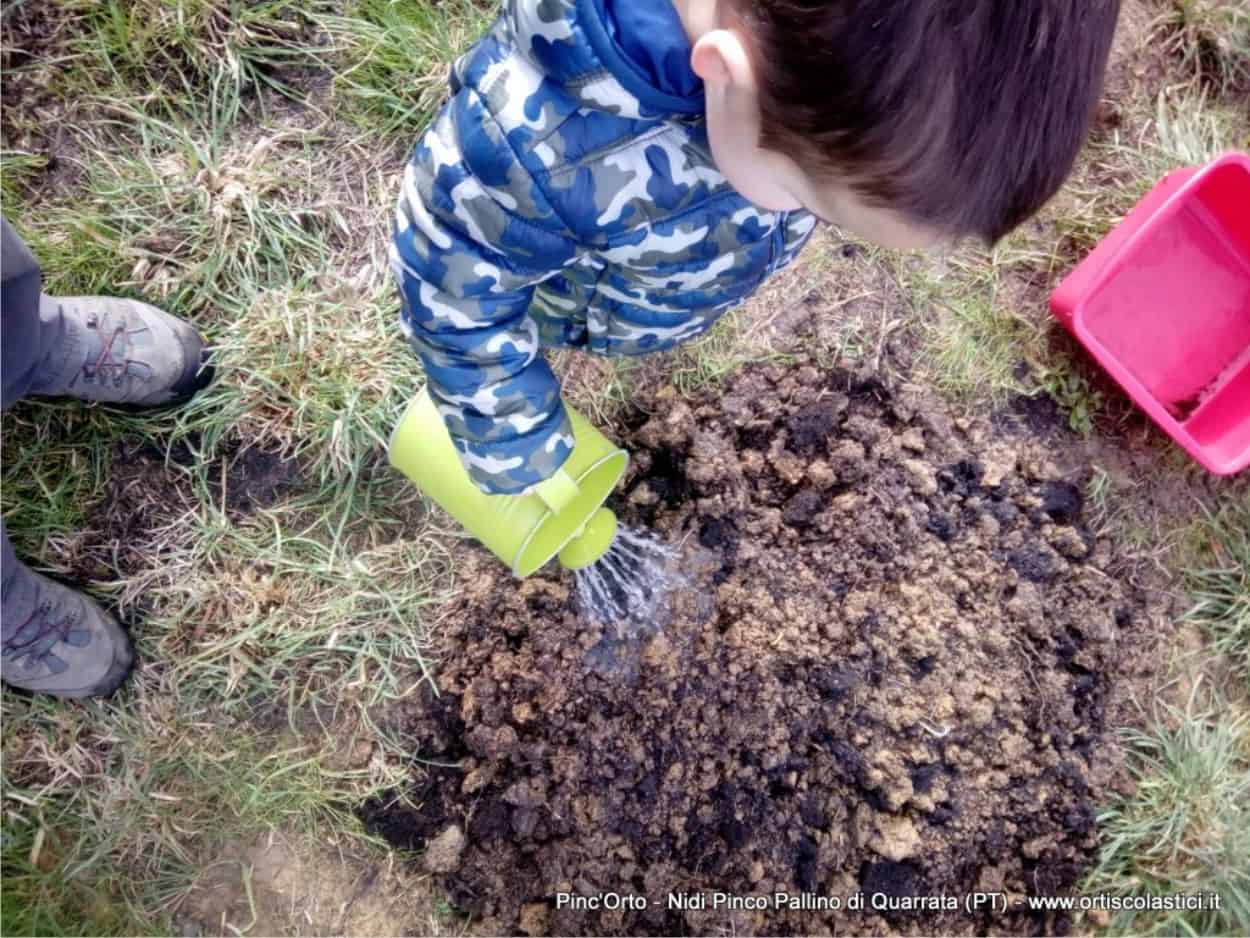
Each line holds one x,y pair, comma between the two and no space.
562,516
592,542
594,532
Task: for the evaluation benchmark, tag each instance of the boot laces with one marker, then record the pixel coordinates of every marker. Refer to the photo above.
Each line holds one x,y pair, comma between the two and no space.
106,367
50,630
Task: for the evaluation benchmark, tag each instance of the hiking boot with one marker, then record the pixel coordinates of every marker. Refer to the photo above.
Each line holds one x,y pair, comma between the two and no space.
57,641
118,352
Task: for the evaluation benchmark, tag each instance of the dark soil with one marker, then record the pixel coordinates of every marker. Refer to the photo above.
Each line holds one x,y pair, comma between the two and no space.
252,479
36,42
1037,414
146,495
893,673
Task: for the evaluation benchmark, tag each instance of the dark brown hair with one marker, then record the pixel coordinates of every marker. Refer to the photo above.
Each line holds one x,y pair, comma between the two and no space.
965,115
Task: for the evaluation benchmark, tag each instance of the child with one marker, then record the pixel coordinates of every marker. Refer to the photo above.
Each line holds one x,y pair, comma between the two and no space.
614,175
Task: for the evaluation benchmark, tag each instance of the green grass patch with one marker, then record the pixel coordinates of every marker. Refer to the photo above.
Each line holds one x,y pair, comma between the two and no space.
394,57
331,600
318,377
184,55
270,633
975,341
18,170
1071,388
717,354
39,899
160,785
1186,828
977,348
1220,584
171,212
56,458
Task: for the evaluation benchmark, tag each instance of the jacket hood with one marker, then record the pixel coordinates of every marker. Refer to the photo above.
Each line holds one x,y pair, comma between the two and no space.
571,42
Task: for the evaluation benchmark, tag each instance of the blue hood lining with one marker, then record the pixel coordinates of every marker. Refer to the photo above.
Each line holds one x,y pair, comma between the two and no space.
592,16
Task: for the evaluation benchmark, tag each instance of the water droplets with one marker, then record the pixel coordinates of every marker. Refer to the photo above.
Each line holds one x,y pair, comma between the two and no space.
631,583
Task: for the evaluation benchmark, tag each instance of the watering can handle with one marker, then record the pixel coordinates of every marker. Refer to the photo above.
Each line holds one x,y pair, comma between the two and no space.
557,491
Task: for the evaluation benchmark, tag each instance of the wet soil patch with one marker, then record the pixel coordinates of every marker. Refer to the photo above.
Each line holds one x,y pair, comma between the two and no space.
145,497
252,479
892,673
1035,414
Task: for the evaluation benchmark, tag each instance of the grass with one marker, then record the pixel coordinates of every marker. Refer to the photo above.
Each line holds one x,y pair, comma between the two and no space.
1212,40
303,375
236,163
1072,390
19,168
129,799
1186,827
1220,585
397,53
175,212
716,355
974,339
197,49
55,463
37,903
271,637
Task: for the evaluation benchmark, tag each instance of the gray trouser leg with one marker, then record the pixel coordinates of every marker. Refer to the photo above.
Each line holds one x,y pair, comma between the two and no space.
19,591
8,576
22,337
21,329
21,347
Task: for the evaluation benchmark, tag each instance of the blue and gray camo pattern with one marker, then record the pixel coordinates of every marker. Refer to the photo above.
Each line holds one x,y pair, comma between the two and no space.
546,205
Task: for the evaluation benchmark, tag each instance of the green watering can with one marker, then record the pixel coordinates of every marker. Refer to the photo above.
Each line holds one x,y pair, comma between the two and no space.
563,515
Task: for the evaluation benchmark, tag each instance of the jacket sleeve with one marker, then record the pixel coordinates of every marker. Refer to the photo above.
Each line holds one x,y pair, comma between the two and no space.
473,236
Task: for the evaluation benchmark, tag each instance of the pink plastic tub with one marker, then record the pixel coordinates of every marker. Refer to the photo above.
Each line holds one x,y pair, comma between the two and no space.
1163,304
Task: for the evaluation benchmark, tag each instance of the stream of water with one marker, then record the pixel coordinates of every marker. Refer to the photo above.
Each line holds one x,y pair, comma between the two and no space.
631,583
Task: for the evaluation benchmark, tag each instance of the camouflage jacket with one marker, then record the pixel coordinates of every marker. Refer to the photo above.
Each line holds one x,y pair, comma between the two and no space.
560,199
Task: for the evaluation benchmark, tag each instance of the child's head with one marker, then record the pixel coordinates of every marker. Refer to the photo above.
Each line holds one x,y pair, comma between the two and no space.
905,121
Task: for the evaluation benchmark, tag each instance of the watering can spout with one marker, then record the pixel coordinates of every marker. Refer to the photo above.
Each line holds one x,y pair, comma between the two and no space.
592,542
562,516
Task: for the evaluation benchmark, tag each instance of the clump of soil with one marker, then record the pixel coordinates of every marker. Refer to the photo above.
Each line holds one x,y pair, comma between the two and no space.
893,673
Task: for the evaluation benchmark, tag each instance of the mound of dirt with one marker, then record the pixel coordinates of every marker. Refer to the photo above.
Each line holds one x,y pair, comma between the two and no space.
891,675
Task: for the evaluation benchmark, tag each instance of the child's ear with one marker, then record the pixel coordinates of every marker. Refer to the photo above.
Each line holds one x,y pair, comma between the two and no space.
719,57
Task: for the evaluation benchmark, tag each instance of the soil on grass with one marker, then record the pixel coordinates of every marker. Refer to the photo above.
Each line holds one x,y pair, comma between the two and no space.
281,884
893,673
147,495
36,41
